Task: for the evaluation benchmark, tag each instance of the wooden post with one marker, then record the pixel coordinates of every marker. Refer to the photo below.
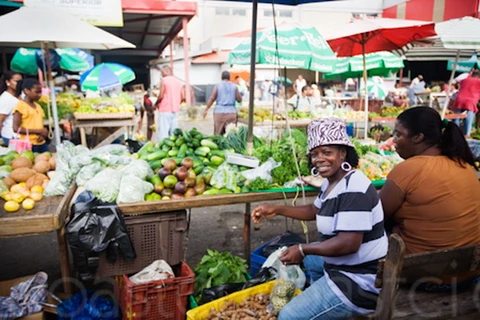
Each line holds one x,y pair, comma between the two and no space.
246,233
64,259
186,62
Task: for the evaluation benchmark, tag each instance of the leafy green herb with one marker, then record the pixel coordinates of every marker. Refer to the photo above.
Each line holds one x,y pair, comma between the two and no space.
259,184
217,268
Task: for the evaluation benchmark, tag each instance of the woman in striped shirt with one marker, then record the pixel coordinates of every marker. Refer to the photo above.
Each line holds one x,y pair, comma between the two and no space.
349,219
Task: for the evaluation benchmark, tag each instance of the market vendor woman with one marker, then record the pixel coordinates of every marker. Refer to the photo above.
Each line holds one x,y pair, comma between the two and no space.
349,219
433,197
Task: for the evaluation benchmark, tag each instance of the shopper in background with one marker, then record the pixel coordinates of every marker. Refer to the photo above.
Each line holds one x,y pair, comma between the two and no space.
170,97
466,100
224,94
8,100
299,84
433,197
28,115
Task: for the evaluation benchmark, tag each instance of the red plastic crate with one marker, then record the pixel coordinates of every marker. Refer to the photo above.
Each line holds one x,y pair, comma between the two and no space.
157,300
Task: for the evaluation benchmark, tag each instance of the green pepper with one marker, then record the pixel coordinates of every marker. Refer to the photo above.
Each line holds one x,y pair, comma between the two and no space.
216,160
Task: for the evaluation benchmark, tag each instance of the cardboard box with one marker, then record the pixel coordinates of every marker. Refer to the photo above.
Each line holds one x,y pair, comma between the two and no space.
5,288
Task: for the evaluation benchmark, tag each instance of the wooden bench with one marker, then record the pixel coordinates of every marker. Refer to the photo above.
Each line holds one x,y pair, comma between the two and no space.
400,301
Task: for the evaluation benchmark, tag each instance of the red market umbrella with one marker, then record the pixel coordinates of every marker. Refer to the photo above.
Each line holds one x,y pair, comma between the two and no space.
376,34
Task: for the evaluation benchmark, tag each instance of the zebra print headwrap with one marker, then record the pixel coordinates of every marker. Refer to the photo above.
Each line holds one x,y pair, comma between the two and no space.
327,131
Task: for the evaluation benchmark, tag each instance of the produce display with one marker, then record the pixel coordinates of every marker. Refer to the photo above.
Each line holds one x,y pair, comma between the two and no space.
24,178
376,166
253,307
122,103
65,106
217,268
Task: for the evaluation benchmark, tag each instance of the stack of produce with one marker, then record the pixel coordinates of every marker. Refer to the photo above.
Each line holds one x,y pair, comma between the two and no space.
64,107
392,112
24,178
260,114
123,103
376,166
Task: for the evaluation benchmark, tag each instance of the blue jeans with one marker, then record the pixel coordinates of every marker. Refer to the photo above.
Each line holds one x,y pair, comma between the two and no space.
167,122
318,301
467,123
6,141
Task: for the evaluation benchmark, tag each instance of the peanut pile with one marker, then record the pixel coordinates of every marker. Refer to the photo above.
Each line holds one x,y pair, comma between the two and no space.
252,308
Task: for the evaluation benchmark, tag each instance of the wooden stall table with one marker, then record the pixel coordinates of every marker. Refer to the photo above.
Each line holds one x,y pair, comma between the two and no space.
50,214
125,122
300,123
211,201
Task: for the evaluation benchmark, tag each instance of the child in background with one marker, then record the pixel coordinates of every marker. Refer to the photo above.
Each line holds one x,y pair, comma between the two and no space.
28,115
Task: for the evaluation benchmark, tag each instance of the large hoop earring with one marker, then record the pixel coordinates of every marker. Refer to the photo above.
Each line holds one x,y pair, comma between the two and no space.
346,166
315,172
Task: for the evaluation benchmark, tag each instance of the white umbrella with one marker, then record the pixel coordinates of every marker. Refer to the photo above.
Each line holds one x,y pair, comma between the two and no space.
39,27
458,34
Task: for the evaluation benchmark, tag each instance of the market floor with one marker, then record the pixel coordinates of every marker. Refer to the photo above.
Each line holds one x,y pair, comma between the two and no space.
219,228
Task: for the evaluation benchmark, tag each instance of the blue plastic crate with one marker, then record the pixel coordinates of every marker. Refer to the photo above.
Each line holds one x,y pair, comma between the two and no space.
256,259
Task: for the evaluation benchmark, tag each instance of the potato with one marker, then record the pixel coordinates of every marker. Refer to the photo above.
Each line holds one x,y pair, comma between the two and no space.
42,157
21,162
22,174
36,180
9,182
41,166
52,163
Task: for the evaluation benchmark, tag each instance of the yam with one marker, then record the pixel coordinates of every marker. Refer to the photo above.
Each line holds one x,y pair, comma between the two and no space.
41,166
43,157
9,182
22,174
52,163
21,162
35,180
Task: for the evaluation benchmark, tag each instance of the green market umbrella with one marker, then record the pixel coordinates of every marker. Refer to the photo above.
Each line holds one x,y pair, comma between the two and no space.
382,63
375,87
464,66
106,76
298,47
27,60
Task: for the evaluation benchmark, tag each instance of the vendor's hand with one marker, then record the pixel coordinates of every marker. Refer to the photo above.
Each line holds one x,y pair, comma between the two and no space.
263,212
292,255
40,139
205,113
44,132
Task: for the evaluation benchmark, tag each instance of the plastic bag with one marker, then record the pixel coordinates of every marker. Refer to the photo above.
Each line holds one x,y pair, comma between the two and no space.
224,177
294,272
283,289
133,189
88,172
475,148
138,168
134,145
264,171
157,270
59,184
285,240
105,184
88,305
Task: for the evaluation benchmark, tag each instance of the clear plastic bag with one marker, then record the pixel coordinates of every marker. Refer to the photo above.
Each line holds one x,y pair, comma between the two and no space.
88,172
224,177
105,184
133,189
264,171
138,168
59,184
284,288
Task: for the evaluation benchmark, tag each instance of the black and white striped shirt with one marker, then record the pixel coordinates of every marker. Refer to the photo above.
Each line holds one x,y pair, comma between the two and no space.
353,206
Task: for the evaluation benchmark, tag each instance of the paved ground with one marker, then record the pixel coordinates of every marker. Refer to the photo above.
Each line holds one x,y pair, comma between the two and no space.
219,228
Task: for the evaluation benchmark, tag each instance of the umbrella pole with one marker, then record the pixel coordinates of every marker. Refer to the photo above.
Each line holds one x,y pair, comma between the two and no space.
366,90
447,100
251,97
56,127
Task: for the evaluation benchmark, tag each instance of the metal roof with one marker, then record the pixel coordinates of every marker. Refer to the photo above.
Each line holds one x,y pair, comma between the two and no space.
434,52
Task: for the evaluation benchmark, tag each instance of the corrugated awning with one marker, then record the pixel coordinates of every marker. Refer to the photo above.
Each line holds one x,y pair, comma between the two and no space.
214,57
434,52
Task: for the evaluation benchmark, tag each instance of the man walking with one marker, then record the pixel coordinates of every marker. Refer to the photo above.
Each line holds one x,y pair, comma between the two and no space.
171,96
225,94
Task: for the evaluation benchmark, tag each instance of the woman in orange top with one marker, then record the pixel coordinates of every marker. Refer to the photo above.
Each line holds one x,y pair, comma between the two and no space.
28,115
433,197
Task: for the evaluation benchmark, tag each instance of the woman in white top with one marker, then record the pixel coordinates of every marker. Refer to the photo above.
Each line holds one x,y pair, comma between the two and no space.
8,100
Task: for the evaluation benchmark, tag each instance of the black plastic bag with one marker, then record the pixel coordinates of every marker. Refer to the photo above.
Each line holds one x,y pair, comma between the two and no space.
96,226
134,145
217,292
475,148
285,240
